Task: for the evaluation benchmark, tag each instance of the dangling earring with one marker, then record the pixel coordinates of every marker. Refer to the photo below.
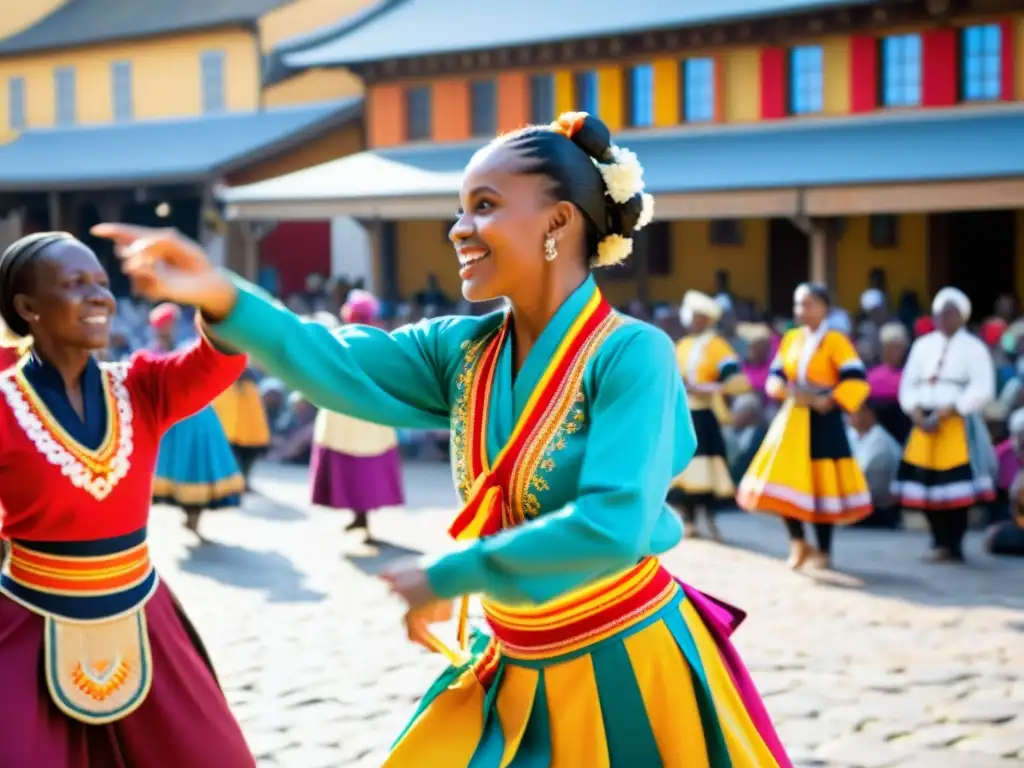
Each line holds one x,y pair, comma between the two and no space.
35,318
550,248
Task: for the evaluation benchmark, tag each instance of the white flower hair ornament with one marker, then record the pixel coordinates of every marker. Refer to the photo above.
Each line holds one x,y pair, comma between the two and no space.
623,179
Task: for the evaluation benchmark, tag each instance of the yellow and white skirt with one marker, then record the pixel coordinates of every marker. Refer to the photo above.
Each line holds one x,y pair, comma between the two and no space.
636,670
939,470
706,480
805,470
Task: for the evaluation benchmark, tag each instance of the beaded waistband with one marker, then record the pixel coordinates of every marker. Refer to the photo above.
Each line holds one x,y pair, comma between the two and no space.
583,617
80,580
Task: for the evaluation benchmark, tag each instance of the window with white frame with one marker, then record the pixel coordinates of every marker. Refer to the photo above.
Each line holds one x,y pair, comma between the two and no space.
65,107
698,83
981,62
806,80
901,70
16,107
640,96
121,89
213,82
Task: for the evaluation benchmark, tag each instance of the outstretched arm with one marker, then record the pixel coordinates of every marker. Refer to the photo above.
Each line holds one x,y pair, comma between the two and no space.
641,434
178,385
397,378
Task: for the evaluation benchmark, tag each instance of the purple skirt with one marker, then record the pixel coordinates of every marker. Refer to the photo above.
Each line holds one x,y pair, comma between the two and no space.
184,721
357,483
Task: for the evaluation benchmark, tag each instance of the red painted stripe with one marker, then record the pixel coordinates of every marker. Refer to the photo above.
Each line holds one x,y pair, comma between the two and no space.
863,73
1009,59
939,68
773,83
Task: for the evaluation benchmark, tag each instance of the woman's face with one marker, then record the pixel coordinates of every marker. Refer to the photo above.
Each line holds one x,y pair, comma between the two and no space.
70,295
893,353
503,220
757,351
949,320
808,309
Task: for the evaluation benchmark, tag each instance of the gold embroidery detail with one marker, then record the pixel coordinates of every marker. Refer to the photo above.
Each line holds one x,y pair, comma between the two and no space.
565,415
465,383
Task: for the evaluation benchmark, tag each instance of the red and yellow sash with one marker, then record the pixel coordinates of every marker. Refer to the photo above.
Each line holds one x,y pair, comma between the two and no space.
487,508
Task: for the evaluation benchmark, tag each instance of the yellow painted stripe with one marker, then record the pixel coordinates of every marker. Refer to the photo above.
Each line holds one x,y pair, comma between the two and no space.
565,92
666,687
836,75
666,92
746,748
577,727
610,97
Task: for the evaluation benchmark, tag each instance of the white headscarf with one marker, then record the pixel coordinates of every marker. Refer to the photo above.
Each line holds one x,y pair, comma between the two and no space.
892,332
871,300
954,296
697,303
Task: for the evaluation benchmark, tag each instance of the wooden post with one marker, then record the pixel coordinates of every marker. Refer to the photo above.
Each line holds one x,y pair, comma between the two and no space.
53,205
822,238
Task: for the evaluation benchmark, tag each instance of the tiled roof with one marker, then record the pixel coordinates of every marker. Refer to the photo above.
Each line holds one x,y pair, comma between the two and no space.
410,28
164,151
918,147
85,22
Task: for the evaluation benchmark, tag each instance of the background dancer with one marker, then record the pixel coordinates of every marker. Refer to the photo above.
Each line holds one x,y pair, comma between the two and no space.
710,369
948,461
78,442
196,469
805,471
569,422
355,464
244,419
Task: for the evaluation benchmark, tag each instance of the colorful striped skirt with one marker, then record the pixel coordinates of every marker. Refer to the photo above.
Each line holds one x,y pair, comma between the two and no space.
805,470
196,466
636,670
943,469
706,480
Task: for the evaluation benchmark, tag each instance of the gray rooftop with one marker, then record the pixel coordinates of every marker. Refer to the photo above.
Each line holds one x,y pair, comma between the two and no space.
162,151
85,22
408,28
905,148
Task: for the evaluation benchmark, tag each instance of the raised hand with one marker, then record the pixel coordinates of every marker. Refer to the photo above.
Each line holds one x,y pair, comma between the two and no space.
163,265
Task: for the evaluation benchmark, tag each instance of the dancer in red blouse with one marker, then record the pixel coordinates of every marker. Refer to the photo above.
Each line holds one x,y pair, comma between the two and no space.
126,681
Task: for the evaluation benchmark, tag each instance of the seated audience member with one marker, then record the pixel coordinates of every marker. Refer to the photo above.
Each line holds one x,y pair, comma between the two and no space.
878,455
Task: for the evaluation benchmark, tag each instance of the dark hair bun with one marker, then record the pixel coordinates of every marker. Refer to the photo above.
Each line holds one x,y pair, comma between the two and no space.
624,217
592,136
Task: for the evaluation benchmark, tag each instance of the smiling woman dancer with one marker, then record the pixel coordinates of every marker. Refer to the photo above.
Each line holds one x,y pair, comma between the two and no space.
125,679
568,423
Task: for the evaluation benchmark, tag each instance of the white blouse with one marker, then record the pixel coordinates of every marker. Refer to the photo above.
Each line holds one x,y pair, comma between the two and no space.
943,371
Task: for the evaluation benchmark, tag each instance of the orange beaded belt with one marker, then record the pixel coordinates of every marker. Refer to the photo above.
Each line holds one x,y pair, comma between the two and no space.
583,617
80,580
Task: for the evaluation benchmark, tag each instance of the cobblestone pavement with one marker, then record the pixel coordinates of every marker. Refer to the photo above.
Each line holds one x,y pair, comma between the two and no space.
892,663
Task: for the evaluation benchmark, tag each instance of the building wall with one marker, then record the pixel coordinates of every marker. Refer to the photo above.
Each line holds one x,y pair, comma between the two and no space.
906,265
301,16
752,84
166,77
423,248
311,86
339,142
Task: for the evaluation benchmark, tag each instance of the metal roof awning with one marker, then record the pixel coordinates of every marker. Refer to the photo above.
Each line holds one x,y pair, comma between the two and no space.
161,151
797,167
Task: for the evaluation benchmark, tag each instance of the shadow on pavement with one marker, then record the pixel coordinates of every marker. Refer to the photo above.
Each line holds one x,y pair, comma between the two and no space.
268,508
269,572
888,564
374,558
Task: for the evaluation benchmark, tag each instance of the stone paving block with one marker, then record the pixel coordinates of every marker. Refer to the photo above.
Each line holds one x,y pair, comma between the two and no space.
1003,741
863,751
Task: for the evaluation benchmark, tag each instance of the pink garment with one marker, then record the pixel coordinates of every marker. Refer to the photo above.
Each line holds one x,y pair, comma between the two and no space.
885,382
757,374
1008,463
